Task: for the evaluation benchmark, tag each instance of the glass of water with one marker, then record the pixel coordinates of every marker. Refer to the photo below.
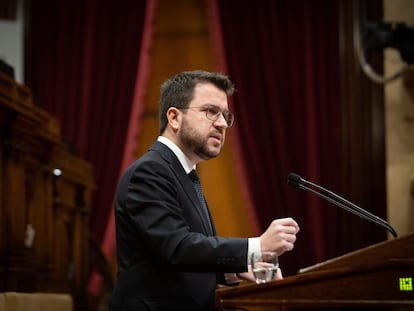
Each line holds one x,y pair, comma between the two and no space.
264,266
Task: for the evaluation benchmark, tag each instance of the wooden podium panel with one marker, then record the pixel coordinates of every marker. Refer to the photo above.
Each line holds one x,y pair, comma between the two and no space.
379,277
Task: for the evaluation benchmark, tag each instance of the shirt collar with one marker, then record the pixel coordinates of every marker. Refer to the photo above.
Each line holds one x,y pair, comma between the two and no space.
185,162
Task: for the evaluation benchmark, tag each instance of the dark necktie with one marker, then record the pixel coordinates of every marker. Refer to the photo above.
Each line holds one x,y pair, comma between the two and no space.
197,186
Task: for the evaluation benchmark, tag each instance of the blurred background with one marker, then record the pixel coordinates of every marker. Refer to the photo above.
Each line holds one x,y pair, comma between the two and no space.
325,89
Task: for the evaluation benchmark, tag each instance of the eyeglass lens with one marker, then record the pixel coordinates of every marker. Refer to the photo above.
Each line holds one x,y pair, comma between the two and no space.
213,114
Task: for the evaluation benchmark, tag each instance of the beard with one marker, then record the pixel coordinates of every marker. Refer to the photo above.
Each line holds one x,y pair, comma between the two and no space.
197,143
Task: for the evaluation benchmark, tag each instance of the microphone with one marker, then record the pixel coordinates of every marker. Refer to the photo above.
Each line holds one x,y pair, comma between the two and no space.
295,181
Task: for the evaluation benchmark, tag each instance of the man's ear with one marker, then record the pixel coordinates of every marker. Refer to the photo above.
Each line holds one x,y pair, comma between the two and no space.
174,117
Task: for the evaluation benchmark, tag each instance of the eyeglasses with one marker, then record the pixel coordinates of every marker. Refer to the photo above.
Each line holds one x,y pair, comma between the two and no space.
213,113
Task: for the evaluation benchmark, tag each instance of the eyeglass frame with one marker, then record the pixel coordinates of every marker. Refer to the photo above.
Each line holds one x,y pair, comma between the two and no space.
225,113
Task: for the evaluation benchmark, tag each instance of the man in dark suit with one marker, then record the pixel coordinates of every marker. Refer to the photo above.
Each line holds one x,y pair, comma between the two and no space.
169,257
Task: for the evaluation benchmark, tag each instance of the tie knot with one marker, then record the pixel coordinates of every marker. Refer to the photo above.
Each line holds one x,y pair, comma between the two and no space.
194,176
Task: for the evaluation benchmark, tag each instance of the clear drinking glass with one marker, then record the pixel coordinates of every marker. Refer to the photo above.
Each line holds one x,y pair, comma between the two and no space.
264,266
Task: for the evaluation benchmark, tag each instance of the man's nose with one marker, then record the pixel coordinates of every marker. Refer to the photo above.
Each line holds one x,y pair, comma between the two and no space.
221,121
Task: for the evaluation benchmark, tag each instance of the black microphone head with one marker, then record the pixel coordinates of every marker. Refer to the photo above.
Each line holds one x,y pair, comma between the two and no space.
294,180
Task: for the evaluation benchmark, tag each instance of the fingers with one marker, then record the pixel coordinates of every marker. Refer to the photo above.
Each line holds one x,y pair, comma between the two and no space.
247,276
279,275
284,245
288,224
280,236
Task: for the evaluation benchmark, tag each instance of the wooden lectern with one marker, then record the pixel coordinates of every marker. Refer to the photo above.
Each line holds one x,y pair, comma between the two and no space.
378,277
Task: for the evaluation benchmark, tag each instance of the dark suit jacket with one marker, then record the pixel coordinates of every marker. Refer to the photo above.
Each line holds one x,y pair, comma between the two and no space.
168,256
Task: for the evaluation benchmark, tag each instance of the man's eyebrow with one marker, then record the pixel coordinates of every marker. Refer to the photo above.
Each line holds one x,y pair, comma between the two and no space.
213,106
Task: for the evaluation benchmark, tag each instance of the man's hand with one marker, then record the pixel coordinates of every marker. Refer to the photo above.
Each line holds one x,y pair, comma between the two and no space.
280,236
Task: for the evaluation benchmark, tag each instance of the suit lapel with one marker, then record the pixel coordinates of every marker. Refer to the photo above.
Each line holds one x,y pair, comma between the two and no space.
186,183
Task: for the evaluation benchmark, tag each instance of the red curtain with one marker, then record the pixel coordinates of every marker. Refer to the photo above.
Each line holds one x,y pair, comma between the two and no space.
82,64
283,57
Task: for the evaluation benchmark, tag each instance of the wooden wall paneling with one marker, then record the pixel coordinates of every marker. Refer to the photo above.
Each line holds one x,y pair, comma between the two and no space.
2,216
80,246
54,208
20,274
42,221
31,142
5,100
73,204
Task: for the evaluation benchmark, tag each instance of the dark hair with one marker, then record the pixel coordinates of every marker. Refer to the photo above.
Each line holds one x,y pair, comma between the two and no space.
178,91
